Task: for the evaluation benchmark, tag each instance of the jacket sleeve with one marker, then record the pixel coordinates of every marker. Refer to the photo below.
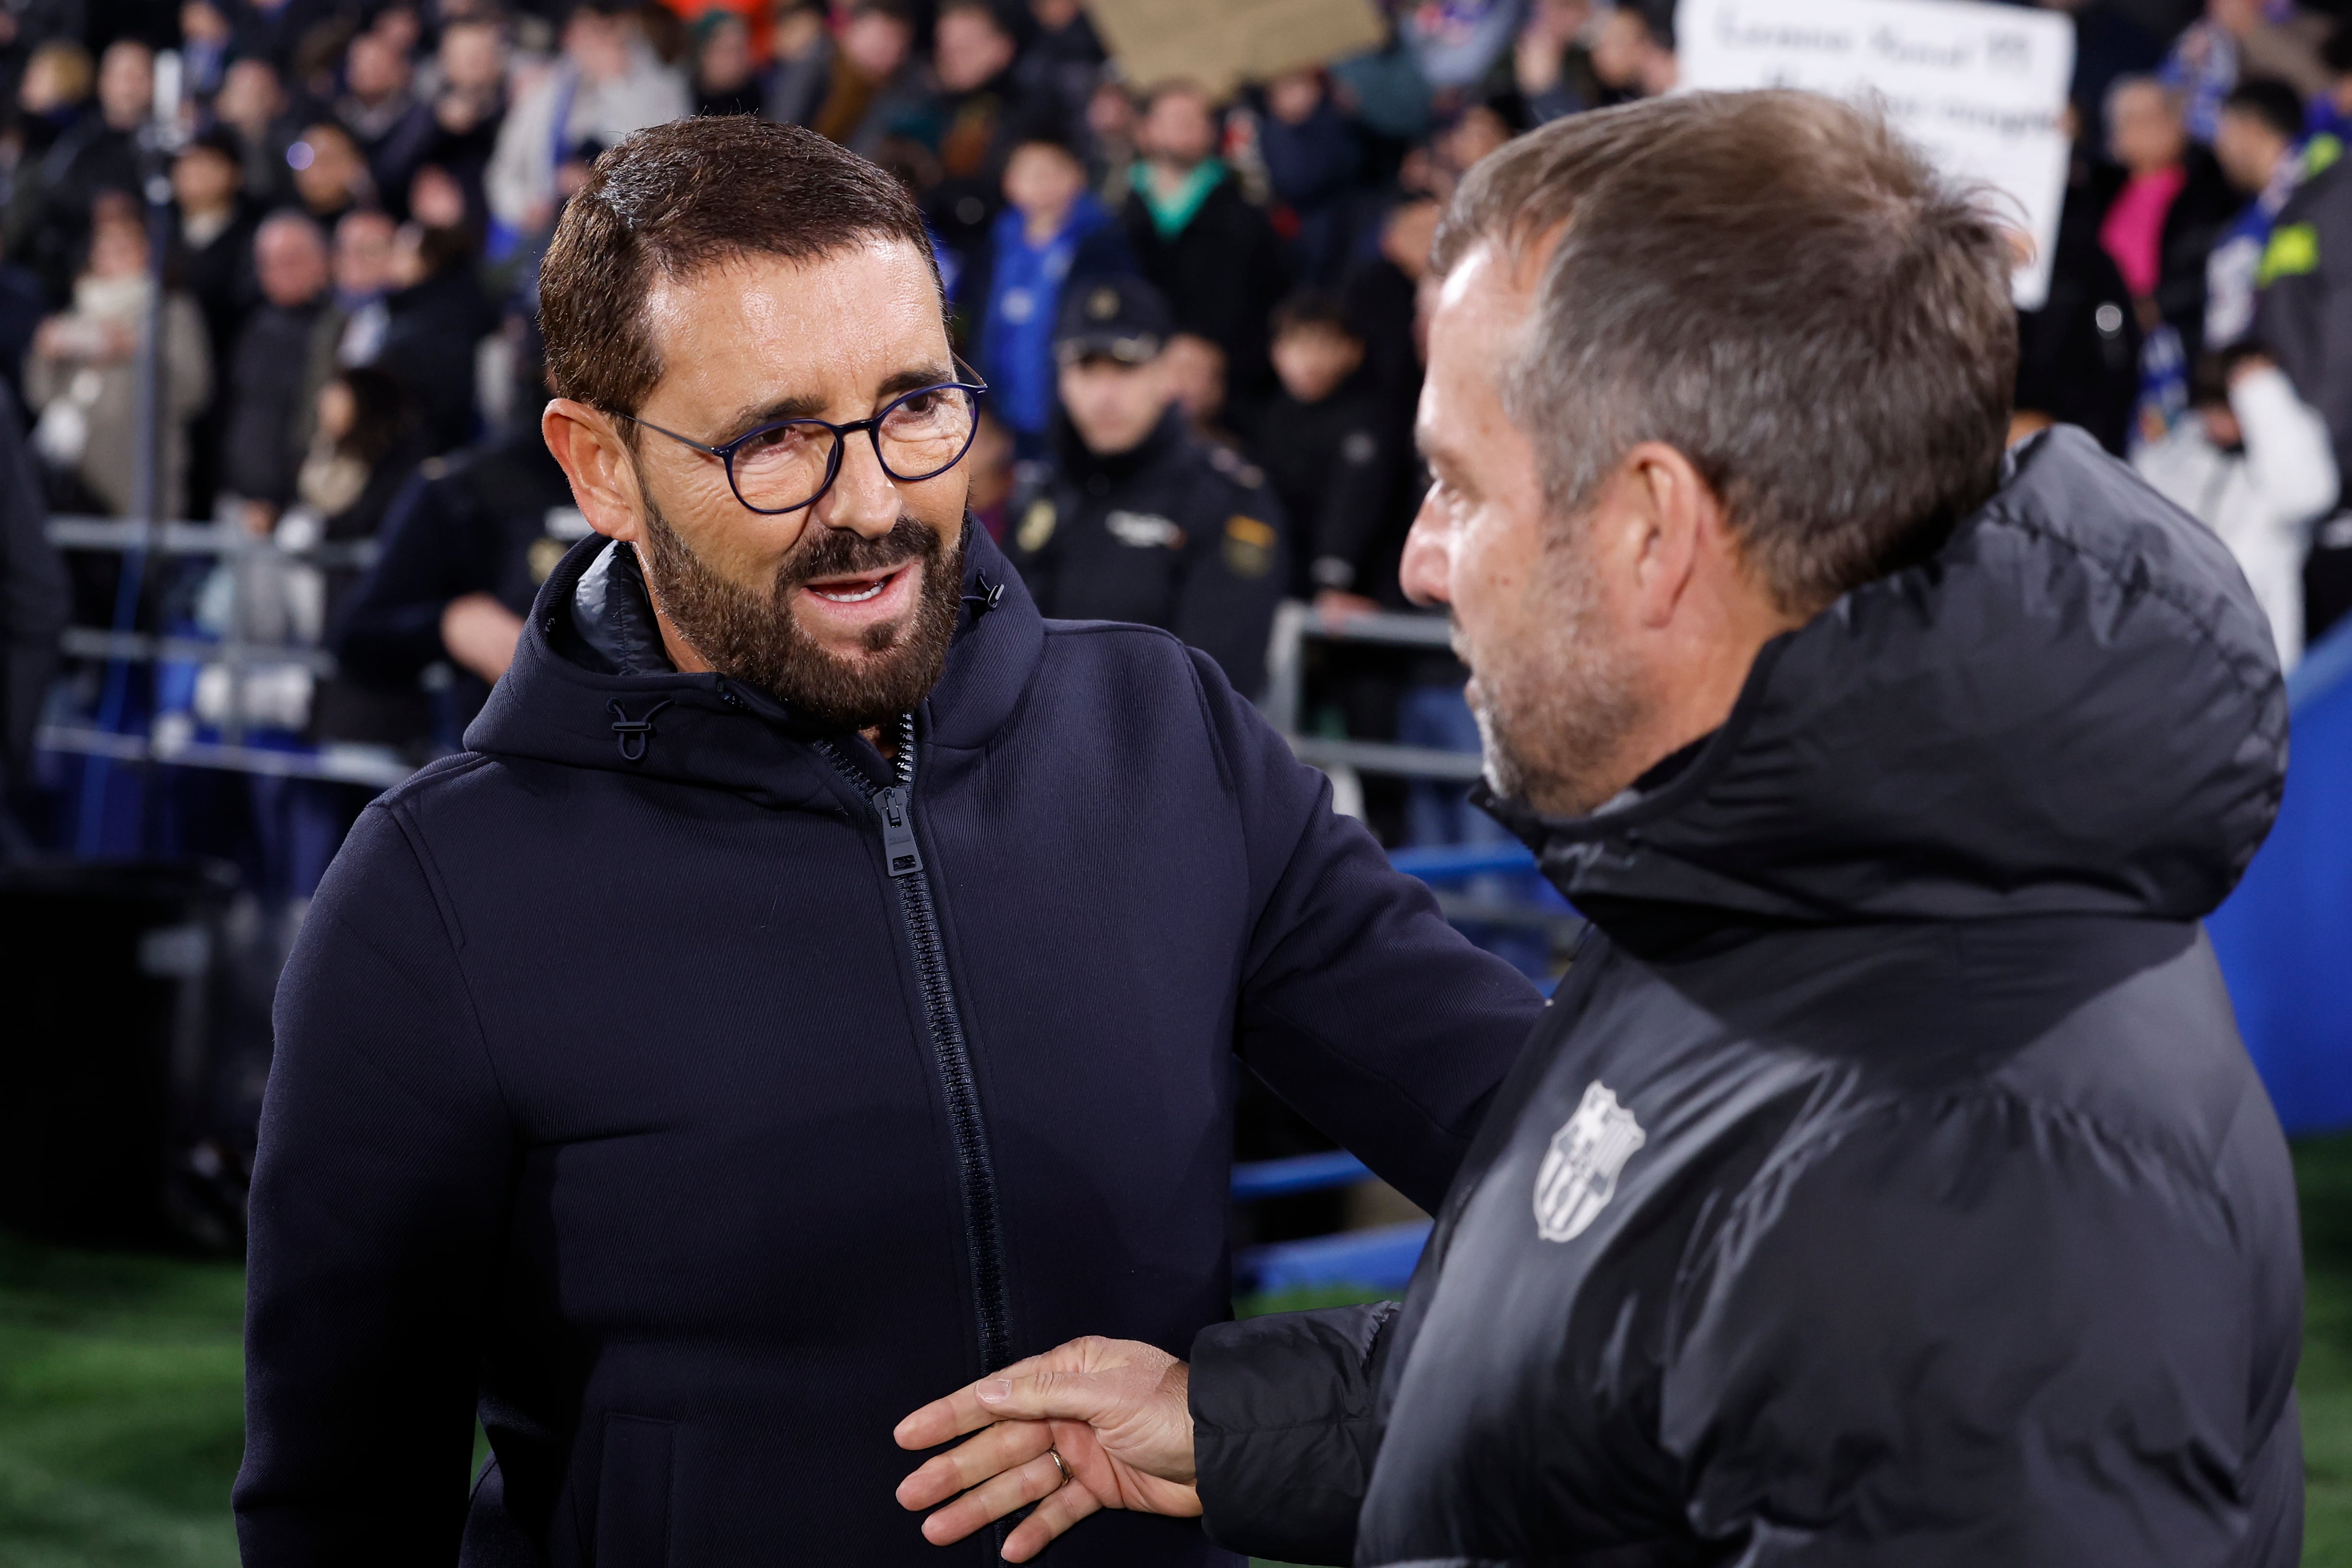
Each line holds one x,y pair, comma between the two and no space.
380,1194
1984,1331
2287,448
1359,1006
1284,1429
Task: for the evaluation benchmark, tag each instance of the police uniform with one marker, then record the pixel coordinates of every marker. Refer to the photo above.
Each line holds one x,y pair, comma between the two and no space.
1174,532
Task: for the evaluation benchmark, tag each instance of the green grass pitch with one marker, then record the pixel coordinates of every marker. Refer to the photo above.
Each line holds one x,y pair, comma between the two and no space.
120,1420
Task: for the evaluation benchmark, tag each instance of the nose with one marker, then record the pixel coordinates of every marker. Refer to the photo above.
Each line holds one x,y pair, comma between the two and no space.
864,498
1428,561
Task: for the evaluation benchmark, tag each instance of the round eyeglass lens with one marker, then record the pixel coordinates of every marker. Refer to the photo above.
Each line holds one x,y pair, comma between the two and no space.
783,468
924,433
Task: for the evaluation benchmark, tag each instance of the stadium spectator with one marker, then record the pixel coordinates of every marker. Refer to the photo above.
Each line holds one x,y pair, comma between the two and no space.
1329,444
206,38
800,64
378,105
1551,65
1209,252
253,104
1052,236
284,355
1632,57
1137,519
331,177
970,117
2234,39
362,453
84,377
98,155
1314,160
2303,308
608,83
361,267
875,86
725,79
2256,467
2079,351
1455,45
464,85
434,316
271,31
212,255
2170,205
1060,67
2257,141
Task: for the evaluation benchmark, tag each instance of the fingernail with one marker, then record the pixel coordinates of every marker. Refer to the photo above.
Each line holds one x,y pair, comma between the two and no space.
995,1391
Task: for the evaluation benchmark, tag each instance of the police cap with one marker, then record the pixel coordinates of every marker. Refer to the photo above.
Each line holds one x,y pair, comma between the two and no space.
1117,318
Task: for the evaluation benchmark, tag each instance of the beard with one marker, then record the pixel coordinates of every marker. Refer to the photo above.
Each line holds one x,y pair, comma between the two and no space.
755,639
1554,714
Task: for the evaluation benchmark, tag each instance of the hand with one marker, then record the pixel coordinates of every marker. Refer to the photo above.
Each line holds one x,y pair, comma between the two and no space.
481,633
1336,606
259,517
1115,1411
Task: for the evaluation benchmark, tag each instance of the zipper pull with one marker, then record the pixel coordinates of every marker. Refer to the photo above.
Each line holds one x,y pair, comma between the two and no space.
895,807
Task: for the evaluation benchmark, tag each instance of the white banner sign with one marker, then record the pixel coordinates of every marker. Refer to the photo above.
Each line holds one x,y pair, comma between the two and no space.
1981,87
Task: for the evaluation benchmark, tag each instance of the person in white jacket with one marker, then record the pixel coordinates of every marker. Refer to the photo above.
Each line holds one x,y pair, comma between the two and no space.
607,83
2253,463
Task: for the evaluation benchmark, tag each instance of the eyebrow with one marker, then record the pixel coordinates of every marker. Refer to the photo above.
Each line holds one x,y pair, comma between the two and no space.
809,407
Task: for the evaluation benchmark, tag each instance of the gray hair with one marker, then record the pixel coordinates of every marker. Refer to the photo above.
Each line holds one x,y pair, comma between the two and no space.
1781,289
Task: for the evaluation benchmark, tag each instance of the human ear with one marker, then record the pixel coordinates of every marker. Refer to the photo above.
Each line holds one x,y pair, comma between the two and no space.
604,479
1667,508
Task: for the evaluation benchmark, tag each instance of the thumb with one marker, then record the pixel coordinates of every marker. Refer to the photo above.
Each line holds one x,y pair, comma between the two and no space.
1046,1397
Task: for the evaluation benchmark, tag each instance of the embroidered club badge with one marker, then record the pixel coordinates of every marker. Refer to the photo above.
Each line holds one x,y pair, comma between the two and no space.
1580,1170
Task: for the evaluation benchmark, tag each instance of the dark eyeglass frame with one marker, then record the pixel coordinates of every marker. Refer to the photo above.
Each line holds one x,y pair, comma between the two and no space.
724,452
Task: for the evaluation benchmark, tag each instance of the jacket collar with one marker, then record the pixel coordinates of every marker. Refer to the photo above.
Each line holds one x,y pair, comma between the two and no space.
602,695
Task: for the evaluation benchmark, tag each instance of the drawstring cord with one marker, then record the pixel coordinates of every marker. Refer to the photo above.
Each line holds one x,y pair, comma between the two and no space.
625,729
990,596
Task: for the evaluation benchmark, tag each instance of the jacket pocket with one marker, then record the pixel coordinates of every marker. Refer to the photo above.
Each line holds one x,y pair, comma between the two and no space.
632,1491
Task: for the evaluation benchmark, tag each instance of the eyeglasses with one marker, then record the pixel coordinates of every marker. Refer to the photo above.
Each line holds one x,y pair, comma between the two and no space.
789,465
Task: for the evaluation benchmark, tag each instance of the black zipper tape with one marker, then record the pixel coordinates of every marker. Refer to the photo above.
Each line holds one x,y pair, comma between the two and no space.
894,810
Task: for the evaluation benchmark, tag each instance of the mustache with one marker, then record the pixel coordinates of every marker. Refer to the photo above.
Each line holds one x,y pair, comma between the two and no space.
842,552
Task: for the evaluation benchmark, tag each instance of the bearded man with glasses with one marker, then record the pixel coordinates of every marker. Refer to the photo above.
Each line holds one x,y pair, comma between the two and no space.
821,981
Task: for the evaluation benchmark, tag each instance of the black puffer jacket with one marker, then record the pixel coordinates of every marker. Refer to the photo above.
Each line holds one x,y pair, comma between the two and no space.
1888,1183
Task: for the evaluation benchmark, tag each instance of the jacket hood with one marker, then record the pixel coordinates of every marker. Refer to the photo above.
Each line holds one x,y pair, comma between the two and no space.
563,702
2074,707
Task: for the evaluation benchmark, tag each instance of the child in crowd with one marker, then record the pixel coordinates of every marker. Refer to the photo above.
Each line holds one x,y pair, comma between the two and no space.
1329,453
1051,234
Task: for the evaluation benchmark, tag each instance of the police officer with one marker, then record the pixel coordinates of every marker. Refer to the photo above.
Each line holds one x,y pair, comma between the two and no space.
1137,519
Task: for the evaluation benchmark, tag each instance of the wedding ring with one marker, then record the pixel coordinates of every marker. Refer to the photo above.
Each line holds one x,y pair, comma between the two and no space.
1056,1455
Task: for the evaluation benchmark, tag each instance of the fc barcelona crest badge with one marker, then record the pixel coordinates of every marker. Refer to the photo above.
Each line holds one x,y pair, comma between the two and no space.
1580,1170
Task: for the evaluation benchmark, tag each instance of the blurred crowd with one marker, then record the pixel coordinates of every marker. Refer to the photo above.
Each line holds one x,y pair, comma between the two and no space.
1180,302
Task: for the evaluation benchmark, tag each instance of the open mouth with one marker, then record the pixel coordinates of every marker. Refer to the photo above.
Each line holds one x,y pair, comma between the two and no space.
854,590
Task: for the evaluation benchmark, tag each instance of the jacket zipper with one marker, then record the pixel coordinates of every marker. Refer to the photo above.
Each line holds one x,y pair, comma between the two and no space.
894,813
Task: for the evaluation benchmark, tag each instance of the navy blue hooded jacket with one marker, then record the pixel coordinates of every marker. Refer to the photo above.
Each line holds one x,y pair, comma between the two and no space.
696,1094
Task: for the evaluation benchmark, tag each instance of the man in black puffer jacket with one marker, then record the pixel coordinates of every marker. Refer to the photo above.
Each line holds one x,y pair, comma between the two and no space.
1886,1183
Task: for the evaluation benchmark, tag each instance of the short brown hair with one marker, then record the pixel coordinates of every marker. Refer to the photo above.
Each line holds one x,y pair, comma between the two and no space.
1780,288
668,201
